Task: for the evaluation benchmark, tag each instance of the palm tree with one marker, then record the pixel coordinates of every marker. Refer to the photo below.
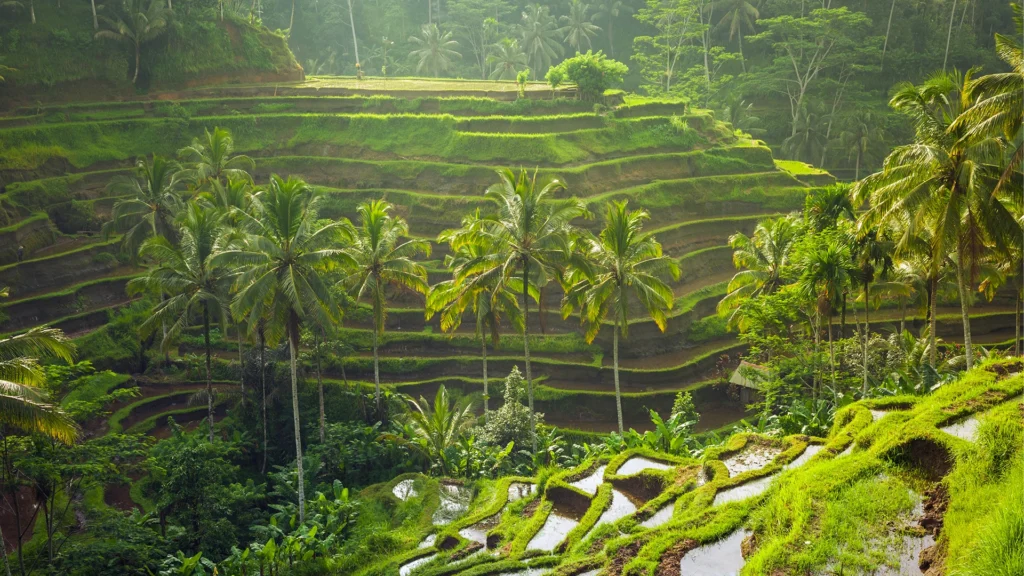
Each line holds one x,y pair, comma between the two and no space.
858,138
610,11
761,259
825,207
873,259
142,26
507,59
212,159
23,404
620,265
540,37
451,298
578,29
435,51
378,258
944,182
739,14
826,274
280,283
528,237
151,203
807,140
188,275
440,427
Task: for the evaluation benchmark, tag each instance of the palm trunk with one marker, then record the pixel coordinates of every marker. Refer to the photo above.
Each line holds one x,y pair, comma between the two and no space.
1016,324
743,61
932,307
209,381
319,386
831,352
32,10
3,550
526,352
903,314
817,353
376,368
263,387
611,37
867,334
949,35
136,76
241,363
95,26
964,309
293,345
352,23
483,350
291,20
615,366
888,28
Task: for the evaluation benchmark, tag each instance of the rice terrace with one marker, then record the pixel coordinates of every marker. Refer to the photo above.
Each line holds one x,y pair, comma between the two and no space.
482,287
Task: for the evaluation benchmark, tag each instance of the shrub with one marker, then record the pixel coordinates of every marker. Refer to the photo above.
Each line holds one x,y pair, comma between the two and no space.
75,216
593,73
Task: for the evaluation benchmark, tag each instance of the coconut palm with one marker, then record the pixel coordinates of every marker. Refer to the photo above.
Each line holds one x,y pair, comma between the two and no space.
761,259
618,266
212,159
539,33
142,25
858,138
435,51
507,60
151,201
451,298
439,428
193,283
379,258
23,404
826,274
610,11
873,252
943,182
738,15
527,237
577,29
282,260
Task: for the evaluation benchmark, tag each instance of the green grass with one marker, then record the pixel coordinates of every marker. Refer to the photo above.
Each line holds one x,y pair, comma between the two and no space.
798,168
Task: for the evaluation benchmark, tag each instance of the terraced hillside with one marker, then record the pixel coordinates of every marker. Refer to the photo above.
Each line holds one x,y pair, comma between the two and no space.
432,157
901,486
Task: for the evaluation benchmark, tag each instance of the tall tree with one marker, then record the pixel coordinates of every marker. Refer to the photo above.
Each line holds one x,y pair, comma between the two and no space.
507,60
148,203
186,273
577,29
737,15
381,256
212,159
528,235
610,11
435,50
612,270
478,293
761,260
944,182
825,276
539,34
283,259
142,25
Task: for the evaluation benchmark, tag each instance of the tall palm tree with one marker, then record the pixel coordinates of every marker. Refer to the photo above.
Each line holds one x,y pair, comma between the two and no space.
578,29
451,298
440,427
193,283
142,25
212,159
434,50
761,259
282,261
151,202
738,15
826,274
23,404
379,258
616,267
539,33
610,11
873,253
858,138
507,59
944,181
528,237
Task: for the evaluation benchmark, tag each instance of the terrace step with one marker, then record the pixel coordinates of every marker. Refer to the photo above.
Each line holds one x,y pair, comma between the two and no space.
83,298
51,273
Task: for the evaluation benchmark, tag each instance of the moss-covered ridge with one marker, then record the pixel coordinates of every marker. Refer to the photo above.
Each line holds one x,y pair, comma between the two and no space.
851,501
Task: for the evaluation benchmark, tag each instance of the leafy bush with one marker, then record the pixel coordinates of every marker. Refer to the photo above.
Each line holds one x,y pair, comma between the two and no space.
73,217
592,72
